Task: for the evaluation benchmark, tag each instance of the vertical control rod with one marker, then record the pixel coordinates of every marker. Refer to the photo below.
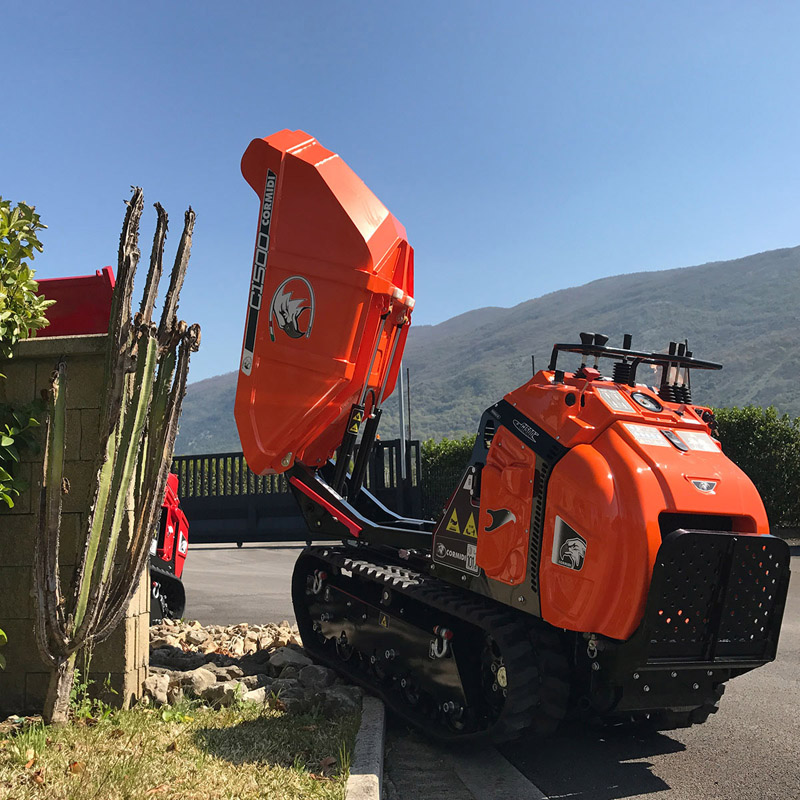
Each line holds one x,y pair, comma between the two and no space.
371,428
356,418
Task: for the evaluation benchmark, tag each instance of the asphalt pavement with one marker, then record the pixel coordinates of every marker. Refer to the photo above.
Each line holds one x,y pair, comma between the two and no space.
749,750
226,584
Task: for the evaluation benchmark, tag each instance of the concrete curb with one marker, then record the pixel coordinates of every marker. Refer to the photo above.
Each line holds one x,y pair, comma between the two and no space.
366,769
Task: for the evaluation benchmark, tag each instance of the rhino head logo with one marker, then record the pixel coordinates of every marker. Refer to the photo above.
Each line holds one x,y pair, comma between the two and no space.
291,299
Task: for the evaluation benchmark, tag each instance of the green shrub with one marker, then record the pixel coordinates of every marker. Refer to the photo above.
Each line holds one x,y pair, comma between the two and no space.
21,309
447,454
443,463
766,446
18,433
21,313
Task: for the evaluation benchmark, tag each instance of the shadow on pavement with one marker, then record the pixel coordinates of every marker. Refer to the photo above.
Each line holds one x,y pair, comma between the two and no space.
583,763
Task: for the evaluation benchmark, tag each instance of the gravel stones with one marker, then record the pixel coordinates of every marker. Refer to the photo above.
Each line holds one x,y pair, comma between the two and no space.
175,658
284,684
157,686
228,673
341,700
232,640
258,695
289,671
256,681
196,637
223,694
284,656
158,642
224,665
198,680
316,677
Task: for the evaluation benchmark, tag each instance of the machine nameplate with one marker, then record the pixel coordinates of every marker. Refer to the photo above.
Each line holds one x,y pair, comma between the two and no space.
614,399
699,440
259,272
644,434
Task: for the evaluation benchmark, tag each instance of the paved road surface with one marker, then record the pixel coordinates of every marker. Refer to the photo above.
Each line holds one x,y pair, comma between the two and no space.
750,750
226,584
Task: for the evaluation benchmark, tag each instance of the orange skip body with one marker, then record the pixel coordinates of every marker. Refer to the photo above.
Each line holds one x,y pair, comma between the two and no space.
330,261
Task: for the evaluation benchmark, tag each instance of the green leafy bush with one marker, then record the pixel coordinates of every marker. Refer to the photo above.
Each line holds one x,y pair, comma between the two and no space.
21,310
18,432
443,463
766,446
447,454
21,313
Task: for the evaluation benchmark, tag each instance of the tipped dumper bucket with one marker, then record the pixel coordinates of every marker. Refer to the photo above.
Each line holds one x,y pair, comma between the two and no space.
329,303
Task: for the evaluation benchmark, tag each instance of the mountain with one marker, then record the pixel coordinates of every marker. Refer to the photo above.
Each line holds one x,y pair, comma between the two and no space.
743,313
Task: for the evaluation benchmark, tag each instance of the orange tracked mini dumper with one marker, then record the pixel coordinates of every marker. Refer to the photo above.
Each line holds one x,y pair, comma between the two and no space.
600,555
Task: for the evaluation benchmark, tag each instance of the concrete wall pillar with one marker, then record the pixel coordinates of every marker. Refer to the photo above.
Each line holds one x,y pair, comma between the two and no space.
122,659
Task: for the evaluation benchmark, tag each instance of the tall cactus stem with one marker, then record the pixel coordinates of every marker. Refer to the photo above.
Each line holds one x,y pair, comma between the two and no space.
146,369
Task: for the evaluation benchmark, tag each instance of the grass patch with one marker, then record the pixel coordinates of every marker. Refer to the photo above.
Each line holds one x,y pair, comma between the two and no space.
189,752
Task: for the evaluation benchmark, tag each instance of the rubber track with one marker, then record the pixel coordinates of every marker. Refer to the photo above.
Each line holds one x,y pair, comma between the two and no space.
524,642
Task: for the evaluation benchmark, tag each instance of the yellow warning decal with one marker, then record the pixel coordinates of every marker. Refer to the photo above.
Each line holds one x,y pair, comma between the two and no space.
453,525
383,620
355,422
469,528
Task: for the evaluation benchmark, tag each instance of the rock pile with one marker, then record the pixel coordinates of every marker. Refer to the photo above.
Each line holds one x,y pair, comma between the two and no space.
233,640
252,663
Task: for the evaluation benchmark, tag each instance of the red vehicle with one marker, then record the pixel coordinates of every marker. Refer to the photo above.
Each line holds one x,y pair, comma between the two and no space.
83,306
601,555
167,555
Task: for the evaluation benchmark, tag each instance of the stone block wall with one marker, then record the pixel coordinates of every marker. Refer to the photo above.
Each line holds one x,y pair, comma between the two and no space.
123,658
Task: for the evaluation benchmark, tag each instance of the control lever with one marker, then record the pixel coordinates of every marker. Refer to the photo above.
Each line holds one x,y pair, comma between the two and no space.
587,340
600,340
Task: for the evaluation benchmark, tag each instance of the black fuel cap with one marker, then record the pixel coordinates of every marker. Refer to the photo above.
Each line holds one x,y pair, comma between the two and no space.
675,440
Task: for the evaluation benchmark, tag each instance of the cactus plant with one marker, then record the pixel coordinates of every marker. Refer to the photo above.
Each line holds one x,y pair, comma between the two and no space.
146,368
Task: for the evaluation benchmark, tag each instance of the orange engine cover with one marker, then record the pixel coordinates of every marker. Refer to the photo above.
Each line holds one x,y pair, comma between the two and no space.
330,299
504,523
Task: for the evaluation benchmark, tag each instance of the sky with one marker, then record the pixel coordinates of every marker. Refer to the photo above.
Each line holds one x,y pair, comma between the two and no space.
526,146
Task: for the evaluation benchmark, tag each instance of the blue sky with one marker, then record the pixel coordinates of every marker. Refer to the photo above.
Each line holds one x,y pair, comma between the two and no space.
526,146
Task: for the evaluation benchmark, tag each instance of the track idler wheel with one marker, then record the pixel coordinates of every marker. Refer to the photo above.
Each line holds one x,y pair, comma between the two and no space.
343,649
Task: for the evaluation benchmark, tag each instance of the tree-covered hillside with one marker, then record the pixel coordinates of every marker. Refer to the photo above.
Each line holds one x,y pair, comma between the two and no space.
742,313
